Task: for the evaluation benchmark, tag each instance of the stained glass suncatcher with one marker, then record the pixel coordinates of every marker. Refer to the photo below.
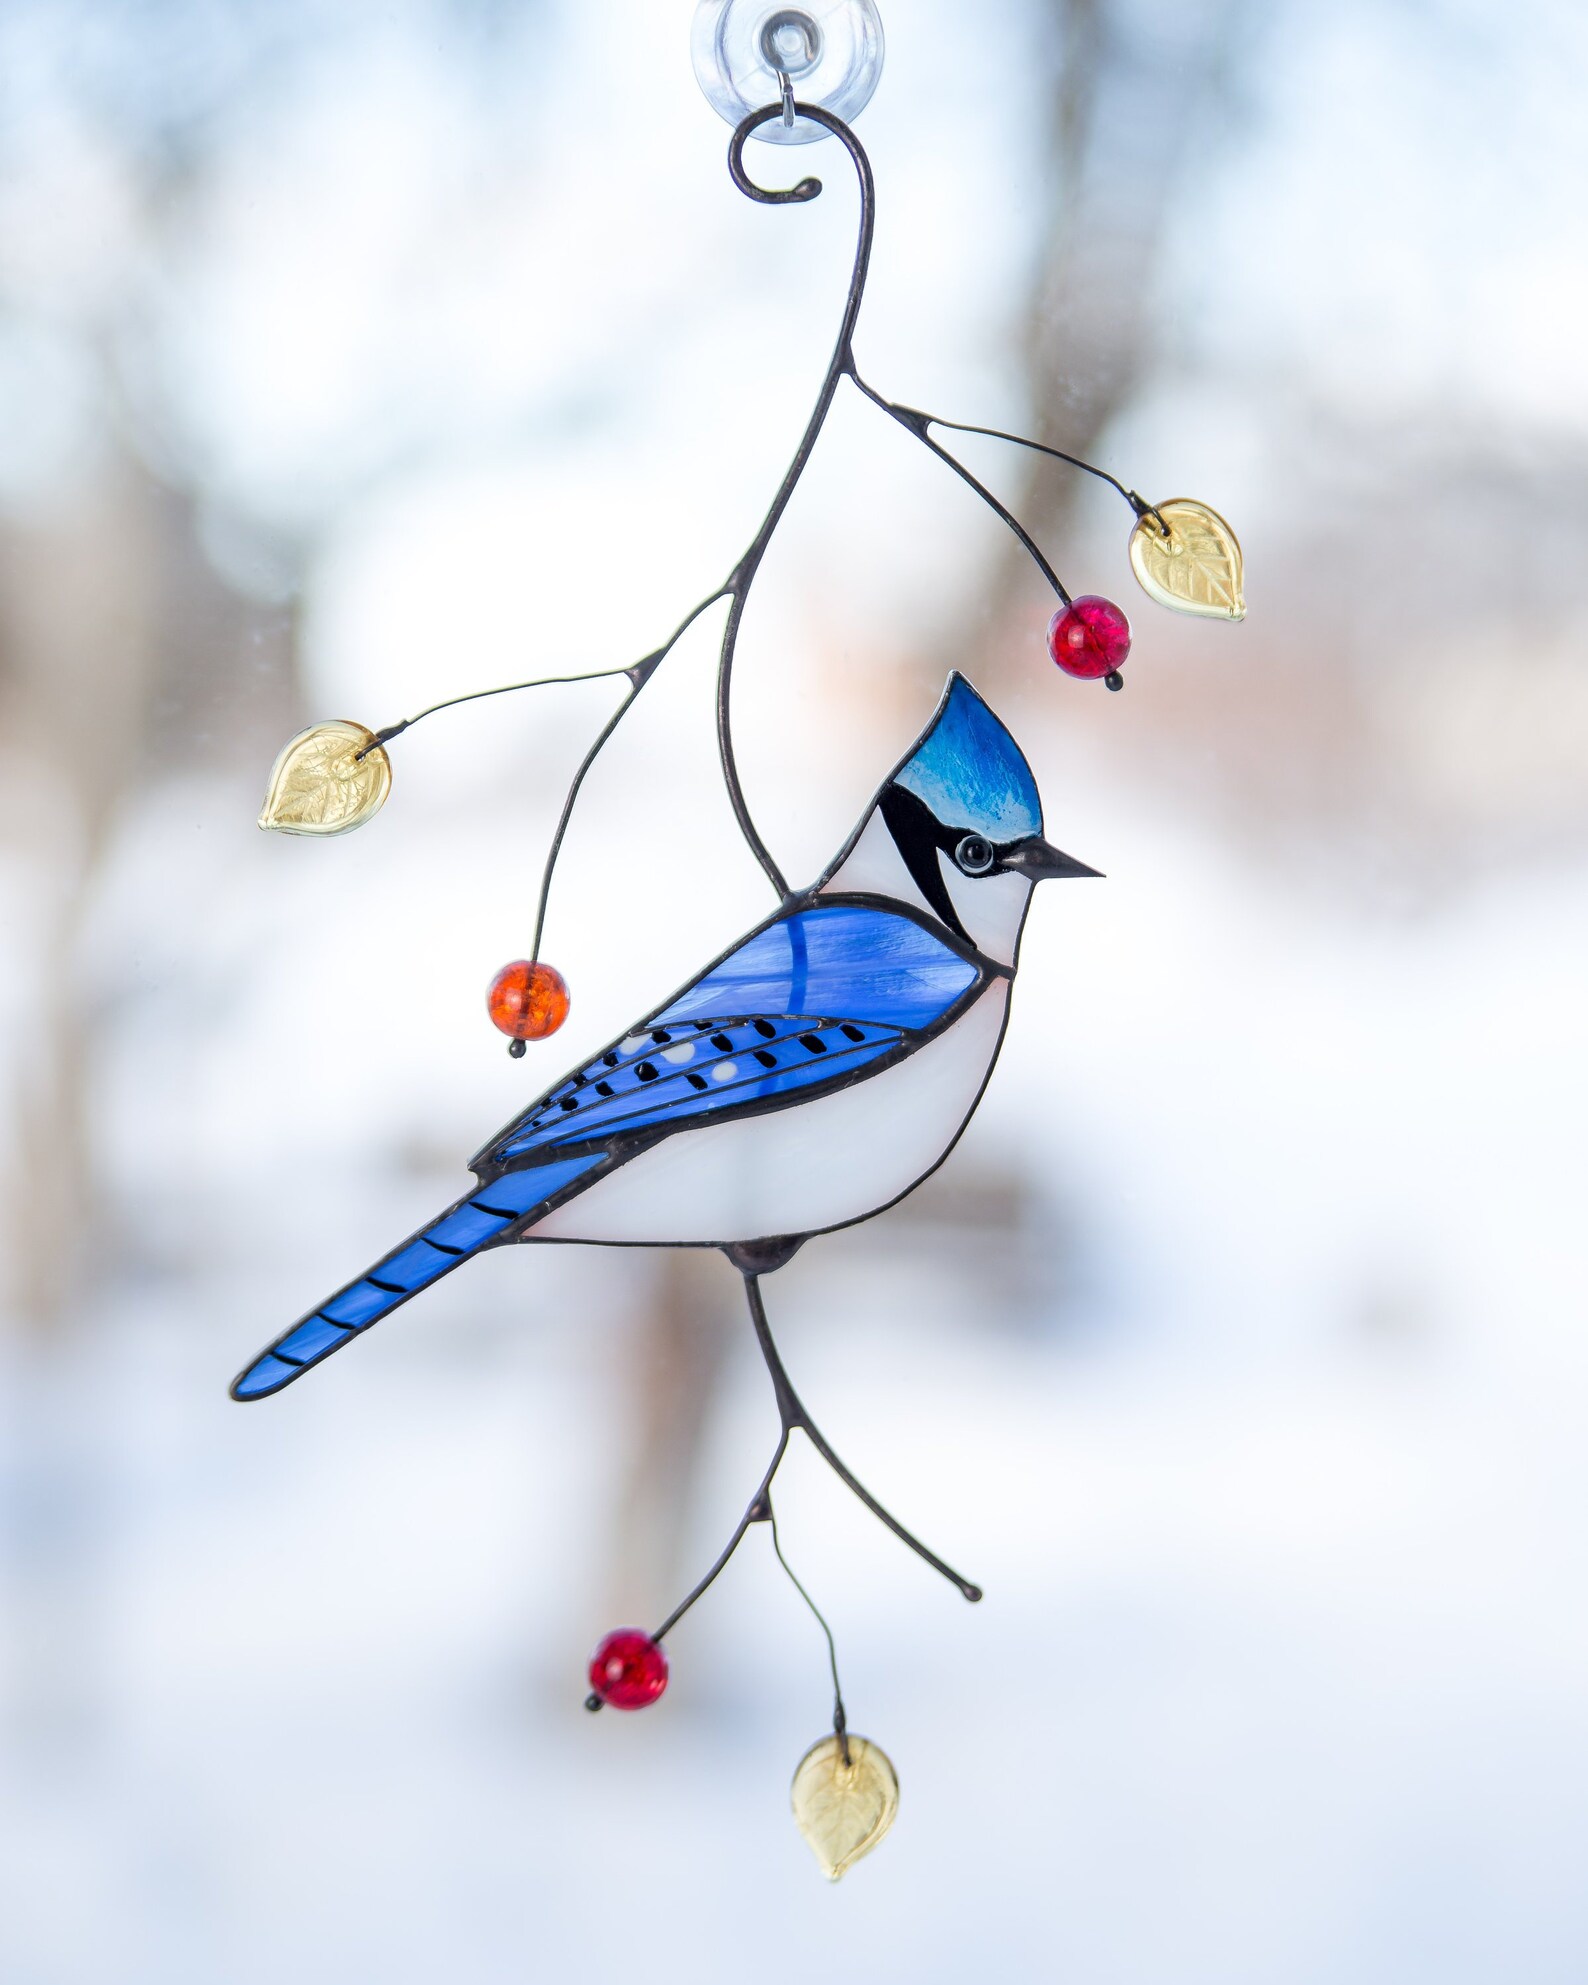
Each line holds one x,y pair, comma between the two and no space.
809,1077
816,1072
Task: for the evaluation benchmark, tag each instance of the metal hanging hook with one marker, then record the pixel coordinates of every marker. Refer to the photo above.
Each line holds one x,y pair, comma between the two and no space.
747,53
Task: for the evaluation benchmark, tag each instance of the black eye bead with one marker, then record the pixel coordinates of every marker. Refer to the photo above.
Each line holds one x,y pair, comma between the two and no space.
975,855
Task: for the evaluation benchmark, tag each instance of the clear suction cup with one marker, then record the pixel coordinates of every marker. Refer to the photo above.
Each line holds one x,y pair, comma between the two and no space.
749,53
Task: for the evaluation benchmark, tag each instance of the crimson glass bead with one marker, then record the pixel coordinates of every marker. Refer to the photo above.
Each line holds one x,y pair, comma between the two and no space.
527,1001
1089,638
629,1669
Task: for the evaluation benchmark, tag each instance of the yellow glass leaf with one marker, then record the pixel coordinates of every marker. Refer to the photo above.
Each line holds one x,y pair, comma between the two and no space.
320,785
843,1810
1197,568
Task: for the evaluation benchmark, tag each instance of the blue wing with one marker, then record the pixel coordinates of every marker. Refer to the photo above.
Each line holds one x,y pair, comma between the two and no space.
810,1002
856,959
670,1074
806,1004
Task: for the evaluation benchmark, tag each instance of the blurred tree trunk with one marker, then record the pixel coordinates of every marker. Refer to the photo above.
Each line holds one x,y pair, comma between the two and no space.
682,1343
1132,90
75,616
111,620
122,656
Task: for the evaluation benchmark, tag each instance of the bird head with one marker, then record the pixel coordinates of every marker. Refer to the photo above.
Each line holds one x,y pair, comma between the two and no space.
957,830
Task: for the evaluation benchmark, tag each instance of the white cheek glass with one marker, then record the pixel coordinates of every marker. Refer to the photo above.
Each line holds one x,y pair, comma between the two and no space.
991,907
873,868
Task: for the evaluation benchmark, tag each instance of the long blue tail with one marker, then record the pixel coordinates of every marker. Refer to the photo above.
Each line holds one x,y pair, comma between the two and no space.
462,1230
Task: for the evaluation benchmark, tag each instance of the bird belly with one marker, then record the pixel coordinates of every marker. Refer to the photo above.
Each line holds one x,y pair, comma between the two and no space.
801,1169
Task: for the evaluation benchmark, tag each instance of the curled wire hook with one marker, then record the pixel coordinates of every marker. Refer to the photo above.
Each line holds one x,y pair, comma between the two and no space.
809,188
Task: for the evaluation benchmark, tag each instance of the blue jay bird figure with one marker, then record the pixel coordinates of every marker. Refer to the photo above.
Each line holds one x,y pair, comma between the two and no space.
811,1077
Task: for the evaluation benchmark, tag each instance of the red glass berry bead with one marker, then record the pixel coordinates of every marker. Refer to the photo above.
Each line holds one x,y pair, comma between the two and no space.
628,1670
527,1001
1089,638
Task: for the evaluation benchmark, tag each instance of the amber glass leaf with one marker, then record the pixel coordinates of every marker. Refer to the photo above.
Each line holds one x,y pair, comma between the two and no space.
321,785
843,1810
1197,567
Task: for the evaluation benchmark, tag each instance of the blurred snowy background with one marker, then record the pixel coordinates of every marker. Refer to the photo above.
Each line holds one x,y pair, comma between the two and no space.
353,354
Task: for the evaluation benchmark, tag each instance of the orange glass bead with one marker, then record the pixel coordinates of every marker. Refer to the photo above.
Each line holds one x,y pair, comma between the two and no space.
528,1002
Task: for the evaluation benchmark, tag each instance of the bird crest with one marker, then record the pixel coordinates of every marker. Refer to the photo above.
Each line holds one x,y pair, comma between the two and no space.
968,769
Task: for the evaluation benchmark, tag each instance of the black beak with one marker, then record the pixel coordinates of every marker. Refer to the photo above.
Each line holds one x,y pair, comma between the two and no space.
1039,860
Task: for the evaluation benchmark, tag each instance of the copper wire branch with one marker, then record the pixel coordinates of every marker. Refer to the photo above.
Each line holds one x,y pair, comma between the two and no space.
794,1417
736,588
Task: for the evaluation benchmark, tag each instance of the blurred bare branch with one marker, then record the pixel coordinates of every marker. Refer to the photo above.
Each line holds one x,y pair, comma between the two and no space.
1132,91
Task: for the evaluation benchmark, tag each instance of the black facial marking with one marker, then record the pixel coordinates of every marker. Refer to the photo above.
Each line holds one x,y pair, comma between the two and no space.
918,836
